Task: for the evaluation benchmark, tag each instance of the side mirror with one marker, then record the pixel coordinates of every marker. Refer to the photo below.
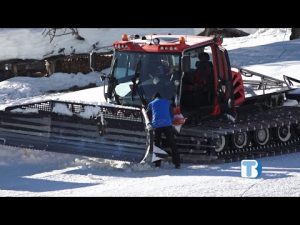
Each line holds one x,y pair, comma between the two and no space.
135,82
93,60
103,77
112,83
186,62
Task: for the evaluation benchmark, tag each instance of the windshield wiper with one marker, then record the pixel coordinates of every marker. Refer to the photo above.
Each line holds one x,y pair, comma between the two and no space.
112,81
136,89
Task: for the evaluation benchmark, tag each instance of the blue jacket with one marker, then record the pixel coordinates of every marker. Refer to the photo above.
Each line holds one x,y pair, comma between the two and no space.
161,113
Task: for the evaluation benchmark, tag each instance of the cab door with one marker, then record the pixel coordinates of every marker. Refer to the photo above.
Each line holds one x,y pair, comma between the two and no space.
224,100
197,88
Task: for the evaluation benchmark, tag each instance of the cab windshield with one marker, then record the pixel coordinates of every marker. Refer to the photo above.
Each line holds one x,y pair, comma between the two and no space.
151,72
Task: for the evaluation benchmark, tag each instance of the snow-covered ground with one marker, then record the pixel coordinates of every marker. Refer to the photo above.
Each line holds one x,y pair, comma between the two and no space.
31,173
18,88
268,51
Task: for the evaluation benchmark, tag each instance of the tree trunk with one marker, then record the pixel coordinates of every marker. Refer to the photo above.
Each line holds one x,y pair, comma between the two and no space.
295,33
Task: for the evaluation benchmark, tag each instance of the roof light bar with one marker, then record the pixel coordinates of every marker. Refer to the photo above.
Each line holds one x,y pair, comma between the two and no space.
124,37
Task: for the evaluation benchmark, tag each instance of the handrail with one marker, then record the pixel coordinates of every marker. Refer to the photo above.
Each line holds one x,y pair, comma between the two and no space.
288,80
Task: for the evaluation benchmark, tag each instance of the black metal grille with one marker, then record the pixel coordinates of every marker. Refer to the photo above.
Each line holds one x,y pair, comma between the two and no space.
77,108
42,106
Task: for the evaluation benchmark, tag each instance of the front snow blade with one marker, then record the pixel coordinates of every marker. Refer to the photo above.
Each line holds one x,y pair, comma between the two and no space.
108,132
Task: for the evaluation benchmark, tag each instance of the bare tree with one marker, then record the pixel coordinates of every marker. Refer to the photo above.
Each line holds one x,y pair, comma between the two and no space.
55,32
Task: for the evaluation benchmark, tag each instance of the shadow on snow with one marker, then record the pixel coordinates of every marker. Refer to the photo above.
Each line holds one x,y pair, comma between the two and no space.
273,168
263,54
15,179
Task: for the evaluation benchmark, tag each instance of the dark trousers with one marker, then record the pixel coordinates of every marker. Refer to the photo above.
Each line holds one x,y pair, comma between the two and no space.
169,133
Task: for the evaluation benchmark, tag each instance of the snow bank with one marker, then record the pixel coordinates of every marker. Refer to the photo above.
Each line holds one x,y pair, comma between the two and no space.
31,44
21,156
24,87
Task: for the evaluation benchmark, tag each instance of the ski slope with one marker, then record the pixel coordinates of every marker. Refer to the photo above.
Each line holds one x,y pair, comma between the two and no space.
25,172
33,173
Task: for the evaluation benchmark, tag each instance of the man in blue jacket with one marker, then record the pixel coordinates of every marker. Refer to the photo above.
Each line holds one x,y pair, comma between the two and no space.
162,115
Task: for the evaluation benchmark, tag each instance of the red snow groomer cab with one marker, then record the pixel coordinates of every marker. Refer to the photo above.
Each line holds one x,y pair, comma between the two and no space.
191,71
219,110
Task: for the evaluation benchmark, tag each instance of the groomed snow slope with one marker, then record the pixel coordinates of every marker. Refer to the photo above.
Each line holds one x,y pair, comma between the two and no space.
32,173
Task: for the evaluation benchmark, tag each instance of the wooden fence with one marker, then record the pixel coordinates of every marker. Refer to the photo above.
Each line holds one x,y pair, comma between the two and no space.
66,64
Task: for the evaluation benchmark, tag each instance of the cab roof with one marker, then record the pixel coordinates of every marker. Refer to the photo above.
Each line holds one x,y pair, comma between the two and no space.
162,43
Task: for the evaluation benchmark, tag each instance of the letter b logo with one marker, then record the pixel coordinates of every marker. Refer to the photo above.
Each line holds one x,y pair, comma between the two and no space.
250,168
